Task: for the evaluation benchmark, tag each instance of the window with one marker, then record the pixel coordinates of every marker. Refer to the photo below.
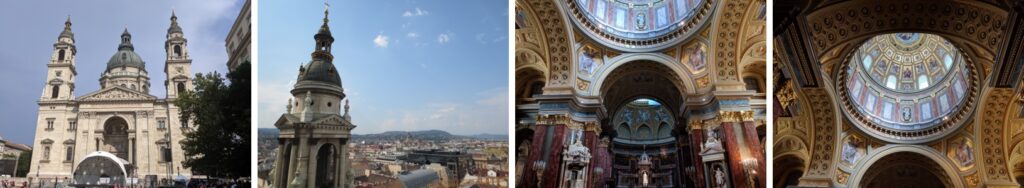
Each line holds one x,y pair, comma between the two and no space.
177,50
56,92
46,152
70,154
181,87
165,153
60,56
72,125
133,87
161,124
49,123
184,124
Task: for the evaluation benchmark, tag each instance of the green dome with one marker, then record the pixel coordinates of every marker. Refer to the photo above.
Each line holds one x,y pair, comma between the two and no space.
321,71
125,56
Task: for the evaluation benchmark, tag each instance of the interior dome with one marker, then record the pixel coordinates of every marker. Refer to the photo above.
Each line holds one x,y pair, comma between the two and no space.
638,18
638,24
906,85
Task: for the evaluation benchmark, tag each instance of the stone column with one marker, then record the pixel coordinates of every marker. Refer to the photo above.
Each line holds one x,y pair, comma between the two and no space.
293,159
313,162
280,175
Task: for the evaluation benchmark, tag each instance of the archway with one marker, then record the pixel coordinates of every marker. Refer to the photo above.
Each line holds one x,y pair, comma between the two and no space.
788,170
905,166
326,166
115,137
644,98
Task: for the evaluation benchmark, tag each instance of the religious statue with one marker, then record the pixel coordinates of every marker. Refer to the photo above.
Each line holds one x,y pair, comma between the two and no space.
346,106
712,142
720,178
289,106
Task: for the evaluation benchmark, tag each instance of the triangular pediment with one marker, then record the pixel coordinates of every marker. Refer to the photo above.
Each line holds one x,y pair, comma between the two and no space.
116,94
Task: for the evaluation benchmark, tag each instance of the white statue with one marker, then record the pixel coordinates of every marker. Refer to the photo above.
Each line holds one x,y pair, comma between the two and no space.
720,178
712,142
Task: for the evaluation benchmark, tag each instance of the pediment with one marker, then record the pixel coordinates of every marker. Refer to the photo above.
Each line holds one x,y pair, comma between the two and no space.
115,94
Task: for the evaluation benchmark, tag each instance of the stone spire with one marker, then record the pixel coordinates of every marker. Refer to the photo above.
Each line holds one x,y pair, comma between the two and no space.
174,24
67,29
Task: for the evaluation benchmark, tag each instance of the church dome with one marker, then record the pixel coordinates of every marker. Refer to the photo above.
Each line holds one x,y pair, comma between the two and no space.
125,56
320,71
907,86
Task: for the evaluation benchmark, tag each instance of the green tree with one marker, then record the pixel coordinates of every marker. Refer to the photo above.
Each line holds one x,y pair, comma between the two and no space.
219,146
24,162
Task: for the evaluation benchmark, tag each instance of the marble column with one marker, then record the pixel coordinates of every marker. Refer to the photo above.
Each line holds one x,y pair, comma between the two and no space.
754,146
696,131
736,145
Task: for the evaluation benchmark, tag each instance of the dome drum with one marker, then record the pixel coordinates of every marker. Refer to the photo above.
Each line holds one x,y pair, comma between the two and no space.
639,25
894,87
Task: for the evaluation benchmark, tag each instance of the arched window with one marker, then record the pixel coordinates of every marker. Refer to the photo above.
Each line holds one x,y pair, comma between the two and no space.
181,87
60,56
867,62
56,92
133,87
922,82
177,50
890,82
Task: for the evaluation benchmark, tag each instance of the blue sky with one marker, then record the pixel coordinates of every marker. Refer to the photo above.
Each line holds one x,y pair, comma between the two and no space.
28,30
405,65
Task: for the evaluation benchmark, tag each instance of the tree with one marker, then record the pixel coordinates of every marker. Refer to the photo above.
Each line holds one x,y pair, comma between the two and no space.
219,147
24,161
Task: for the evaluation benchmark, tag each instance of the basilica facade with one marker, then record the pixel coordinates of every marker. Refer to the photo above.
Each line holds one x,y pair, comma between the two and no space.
122,118
640,93
898,94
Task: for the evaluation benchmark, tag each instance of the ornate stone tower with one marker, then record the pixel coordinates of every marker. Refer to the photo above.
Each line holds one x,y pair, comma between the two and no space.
60,73
314,135
179,66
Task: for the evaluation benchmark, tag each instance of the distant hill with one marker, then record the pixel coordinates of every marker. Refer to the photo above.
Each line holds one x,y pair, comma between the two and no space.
392,135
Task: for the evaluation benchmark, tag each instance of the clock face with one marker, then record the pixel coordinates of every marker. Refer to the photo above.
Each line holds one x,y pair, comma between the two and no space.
179,69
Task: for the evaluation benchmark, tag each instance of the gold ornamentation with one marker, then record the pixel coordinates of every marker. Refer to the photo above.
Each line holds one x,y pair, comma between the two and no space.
972,180
842,177
703,82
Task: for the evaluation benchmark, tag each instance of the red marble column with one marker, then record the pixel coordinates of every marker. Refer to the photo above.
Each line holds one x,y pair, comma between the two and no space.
696,140
552,174
756,149
733,157
590,141
530,178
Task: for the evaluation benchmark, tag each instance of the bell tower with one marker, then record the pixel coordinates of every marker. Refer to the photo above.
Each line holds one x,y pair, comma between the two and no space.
60,71
179,66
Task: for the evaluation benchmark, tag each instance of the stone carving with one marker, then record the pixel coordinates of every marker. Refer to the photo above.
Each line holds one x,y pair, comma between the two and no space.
117,94
712,144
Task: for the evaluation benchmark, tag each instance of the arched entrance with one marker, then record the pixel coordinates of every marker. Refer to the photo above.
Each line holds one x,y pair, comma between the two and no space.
326,166
644,98
115,137
905,166
905,169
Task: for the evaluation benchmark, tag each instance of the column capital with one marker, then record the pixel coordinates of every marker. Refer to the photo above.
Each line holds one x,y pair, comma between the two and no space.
736,116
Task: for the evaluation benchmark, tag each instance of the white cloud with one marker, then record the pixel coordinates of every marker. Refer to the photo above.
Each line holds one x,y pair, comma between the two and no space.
273,98
416,12
412,35
381,41
443,38
442,112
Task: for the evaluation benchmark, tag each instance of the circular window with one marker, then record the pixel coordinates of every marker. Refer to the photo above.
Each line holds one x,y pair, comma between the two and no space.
907,87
